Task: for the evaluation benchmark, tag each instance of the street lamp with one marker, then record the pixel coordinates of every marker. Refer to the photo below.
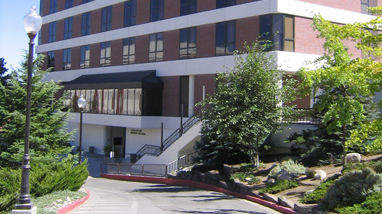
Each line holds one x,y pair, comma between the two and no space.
32,25
81,104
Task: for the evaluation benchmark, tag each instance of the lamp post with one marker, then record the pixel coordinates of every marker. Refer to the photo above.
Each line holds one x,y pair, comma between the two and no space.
32,25
81,104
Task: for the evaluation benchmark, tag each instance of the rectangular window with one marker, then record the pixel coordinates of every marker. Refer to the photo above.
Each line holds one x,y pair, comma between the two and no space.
364,6
156,10
130,13
279,29
86,23
184,94
187,43
68,26
128,51
106,19
51,60
225,38
86,1
85,56
67,59
225,3
53,6
68,4
52,32
41,7
105,55
39,38
156,47
187,7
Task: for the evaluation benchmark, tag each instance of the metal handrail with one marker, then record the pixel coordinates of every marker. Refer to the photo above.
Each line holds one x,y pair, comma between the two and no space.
304,117
169,140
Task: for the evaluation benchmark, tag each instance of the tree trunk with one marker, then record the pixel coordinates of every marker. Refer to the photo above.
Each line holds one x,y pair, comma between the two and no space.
344,146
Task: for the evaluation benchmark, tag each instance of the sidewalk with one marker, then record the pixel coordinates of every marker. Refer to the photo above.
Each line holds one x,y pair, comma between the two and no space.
94,163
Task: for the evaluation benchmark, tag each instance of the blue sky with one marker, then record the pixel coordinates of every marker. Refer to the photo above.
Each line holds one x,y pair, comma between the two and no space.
13,39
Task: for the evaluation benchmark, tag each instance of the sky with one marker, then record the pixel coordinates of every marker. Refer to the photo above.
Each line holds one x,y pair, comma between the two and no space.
13,38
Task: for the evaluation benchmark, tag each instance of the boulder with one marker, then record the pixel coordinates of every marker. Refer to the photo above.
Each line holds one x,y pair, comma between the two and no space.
271,181
353,158
320,175
310,172
284,175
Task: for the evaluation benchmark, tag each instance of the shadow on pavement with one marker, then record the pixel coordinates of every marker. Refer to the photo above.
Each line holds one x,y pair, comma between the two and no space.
218,211
166,188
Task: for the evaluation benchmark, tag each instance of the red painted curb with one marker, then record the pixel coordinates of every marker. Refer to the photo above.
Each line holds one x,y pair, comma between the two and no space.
74,204
200,185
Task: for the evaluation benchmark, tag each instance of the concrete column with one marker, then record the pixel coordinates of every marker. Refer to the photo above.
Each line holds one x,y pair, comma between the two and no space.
191,95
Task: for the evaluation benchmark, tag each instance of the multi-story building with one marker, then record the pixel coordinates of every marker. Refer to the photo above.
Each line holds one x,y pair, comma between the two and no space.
144,64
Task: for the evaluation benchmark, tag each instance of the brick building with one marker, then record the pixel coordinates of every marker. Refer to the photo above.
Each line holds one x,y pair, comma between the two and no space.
141,63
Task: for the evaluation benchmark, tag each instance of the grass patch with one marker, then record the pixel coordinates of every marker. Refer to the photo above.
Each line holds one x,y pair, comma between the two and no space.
44,203
279,186
242,177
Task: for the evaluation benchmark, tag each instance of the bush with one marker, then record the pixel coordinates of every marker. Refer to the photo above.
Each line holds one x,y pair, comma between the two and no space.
352,188
373,204
376,166
279,186
319,193
44,179
289,166
242,176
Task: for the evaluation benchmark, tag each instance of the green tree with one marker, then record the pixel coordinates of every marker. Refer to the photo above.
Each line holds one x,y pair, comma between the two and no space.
3,70
248,105
48,136
341,80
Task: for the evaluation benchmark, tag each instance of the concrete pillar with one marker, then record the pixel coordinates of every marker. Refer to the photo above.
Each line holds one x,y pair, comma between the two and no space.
191,95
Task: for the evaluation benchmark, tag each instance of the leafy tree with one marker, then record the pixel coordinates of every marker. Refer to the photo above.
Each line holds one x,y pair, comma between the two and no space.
342,81
48,136
3,70
246,107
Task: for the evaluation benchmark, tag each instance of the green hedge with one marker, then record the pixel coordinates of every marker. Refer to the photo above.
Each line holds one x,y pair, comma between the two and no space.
44,179
373,204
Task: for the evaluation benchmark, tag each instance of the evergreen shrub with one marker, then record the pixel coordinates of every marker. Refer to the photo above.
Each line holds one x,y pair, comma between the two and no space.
372,204
279,186
319,193
374,165
352,188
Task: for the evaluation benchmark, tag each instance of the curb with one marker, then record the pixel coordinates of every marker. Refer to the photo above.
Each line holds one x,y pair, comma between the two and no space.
74,204
200,185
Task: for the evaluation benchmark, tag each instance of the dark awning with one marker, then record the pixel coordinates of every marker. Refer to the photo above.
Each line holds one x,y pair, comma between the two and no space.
137,79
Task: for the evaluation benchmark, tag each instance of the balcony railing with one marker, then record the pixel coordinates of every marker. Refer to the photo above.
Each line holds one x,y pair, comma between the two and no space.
303,116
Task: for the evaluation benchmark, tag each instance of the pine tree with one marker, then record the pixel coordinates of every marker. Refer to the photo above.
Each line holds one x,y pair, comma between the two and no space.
48,136
3,70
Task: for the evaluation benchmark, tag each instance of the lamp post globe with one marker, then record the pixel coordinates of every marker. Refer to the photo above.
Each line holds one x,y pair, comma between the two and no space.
32,25
81,103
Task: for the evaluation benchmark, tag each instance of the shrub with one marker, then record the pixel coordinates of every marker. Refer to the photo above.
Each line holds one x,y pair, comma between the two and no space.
374,165
242,176
291,167
44,179
373,204
352,188
279,186
319,193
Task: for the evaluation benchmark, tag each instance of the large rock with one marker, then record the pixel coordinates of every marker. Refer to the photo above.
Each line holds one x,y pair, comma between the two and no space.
320,175
284,175
353,158
310,172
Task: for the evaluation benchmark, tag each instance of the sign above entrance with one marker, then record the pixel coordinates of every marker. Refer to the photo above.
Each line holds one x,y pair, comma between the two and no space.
137,132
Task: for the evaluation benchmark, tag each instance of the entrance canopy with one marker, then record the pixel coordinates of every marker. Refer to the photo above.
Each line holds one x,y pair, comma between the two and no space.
137,79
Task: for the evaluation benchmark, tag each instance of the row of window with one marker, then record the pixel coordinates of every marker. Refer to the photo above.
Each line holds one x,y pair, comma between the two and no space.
53,5
130,12
106,101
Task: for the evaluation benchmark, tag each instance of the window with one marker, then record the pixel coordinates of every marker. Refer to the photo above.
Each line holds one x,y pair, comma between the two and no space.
53,6
128,51
68,4
85,25
187,7
156,47
187,43
184,94
67,59
130,13
279,29
85,56
156,10
51,60
105,55
52,32
86,1
68,25
39,38
225,38
225,3
41,6
106,19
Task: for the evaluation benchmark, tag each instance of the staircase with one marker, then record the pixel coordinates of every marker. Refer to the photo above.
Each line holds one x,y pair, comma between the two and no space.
155,150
